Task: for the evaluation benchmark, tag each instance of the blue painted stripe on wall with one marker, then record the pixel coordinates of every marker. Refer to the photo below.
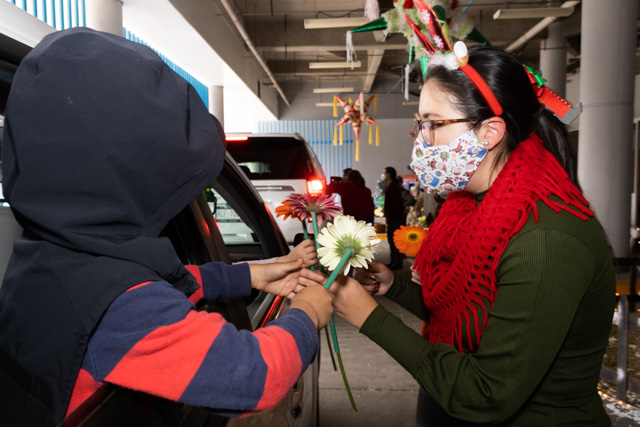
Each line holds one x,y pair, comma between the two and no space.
53,12
47,14
319,135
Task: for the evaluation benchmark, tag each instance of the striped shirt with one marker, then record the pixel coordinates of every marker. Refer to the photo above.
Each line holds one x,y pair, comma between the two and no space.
152,339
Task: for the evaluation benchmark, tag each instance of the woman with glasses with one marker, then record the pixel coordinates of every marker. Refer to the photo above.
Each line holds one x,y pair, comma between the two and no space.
515,280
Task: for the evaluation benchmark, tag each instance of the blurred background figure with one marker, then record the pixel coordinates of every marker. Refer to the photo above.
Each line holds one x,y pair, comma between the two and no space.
395,214
355,197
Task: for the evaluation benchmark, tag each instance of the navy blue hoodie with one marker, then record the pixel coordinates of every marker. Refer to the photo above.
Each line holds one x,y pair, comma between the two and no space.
103,144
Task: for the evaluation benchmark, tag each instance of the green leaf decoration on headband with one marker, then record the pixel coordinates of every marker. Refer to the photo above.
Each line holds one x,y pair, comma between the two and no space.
440,13
537,75
424,61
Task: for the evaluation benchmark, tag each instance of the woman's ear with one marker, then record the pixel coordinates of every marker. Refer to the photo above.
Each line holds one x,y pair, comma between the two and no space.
491,132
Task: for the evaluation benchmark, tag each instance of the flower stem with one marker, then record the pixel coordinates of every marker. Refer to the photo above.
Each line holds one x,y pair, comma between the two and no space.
343,260
306,236
333,360
314,221
338,269
342,372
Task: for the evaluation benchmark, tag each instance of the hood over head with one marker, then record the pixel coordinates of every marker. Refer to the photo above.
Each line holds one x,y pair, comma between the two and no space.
104,143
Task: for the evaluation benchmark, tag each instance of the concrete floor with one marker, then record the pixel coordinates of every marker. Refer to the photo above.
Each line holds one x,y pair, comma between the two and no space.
384,393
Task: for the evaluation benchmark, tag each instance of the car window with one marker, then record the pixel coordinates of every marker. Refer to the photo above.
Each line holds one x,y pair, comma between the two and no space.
272,157
2,200
247,228
234,230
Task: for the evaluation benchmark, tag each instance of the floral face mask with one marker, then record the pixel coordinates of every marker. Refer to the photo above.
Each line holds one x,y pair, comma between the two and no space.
445,168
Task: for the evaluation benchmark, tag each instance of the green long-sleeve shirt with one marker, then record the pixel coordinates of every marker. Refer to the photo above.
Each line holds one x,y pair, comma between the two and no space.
539,360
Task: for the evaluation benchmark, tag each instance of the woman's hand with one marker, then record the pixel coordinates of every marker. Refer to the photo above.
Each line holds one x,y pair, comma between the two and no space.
415,276
352,301
283,278
305,250
376,279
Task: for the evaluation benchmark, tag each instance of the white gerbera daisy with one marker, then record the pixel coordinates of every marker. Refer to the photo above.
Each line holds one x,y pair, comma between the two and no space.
346,233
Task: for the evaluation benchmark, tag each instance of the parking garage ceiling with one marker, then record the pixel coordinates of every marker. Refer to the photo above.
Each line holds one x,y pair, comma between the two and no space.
276,29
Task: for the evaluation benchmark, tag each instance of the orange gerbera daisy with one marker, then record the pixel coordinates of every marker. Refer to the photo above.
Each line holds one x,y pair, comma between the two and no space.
284,209
408,239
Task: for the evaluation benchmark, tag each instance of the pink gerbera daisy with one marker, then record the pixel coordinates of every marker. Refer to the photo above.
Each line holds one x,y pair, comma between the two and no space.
303,205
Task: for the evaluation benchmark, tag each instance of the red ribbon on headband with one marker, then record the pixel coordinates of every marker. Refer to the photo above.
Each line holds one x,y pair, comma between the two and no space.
484,89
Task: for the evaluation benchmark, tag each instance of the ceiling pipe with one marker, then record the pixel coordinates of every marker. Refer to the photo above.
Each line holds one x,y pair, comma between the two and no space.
236,21
537,28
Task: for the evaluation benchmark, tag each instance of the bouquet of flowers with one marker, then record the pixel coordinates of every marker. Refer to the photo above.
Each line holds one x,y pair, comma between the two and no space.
344,243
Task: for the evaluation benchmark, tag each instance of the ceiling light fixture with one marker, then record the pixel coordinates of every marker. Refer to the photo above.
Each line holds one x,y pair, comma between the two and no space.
332,90
406,103
539,12
345,64
310,24
324,104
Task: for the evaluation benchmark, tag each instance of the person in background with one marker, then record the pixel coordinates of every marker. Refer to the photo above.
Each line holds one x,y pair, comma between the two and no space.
407,198
345,172
92,294
355,197
515,277
394,213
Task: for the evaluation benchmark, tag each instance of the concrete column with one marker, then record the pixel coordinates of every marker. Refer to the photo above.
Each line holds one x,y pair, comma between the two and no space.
606,125
553,58
216,102
104,15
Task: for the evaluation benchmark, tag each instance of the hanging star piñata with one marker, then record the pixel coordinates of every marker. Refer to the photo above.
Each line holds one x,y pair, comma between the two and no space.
356,113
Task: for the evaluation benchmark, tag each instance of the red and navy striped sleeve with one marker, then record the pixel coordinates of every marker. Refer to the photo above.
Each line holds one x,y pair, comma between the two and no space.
151,339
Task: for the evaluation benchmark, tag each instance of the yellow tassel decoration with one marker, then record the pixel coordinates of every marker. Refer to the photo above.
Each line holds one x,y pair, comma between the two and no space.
335,135
357,149
377,135
335,106
341,134
375,104
370,133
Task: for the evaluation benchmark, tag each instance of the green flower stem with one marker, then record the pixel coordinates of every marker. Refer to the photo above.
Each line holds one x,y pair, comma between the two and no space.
334,273
342,372
315,233
343,260
306,236
333,360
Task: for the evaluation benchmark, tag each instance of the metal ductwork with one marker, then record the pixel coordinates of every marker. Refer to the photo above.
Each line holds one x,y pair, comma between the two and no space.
236,21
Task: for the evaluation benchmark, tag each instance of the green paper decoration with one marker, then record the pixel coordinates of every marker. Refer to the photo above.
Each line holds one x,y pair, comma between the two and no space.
377,24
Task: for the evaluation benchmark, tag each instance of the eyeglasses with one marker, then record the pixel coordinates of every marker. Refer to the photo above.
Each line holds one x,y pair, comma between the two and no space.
426,128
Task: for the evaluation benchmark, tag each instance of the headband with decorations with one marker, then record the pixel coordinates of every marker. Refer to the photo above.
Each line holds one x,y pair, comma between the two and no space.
453,58
441,52
560,107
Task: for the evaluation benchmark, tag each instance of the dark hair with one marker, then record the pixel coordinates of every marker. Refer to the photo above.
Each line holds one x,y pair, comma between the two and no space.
523,114
346,171
392,172
355,177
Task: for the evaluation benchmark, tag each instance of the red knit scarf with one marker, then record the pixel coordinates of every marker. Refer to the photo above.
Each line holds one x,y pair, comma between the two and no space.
458,260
